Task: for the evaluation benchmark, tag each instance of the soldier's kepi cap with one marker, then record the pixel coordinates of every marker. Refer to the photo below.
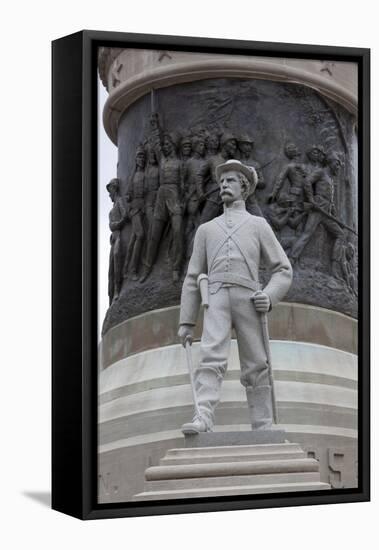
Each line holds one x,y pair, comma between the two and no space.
248,171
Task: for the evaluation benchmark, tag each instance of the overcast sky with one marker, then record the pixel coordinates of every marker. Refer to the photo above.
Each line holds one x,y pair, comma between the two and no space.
107,169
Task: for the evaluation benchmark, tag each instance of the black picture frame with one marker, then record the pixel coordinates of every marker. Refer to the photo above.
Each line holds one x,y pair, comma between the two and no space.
74,273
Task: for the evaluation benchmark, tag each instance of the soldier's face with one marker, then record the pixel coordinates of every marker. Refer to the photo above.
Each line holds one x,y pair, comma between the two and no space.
140,160
246,148
231,147
154,121
292,152
186,149
200,148
230,187
167,146
314,155
213,145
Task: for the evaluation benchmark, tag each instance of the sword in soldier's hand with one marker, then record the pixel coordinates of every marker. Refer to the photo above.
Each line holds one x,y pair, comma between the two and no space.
266,341
202,283
187,345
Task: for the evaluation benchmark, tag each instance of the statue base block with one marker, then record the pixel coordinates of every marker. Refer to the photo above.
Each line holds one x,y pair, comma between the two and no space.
216,468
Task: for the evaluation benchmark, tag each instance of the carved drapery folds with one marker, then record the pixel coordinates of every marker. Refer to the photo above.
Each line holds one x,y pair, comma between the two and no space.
303,149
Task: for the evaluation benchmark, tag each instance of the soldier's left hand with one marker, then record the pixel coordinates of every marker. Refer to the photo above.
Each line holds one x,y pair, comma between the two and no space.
261,301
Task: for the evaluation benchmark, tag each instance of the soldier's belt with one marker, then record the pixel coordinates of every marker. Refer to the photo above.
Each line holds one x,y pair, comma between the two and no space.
234,279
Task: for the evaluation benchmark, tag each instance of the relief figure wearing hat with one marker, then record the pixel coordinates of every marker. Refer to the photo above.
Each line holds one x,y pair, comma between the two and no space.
228,252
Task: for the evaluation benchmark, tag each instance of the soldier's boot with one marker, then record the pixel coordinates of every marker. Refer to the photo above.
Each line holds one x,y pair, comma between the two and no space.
198,425
208,386
259,400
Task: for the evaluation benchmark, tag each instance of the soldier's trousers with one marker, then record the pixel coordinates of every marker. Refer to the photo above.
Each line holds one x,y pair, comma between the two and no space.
229,306
313,221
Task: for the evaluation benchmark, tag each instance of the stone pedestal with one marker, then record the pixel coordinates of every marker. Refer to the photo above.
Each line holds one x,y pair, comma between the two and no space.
218,469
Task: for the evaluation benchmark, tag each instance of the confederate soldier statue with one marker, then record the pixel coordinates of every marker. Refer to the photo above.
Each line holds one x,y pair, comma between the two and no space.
117,217
227,253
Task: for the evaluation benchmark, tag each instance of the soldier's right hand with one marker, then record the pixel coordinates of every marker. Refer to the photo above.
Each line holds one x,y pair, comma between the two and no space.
186,333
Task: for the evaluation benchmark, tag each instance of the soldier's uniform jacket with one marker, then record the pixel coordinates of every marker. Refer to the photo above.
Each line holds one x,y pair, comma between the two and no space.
117,217
230,249
136,193
195,172
319,187
151,183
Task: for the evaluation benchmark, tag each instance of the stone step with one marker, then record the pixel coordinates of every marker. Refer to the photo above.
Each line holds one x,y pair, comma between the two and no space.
251,437
225,450
253,457
231,491
232,470
252,467
233,481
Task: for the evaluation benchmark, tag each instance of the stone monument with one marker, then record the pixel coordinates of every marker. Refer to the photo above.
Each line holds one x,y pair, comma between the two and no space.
175,118
223,273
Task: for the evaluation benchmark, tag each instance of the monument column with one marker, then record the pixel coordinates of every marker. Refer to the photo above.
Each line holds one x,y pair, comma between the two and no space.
144,392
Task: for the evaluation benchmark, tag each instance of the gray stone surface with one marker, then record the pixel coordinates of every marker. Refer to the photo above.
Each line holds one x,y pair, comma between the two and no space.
308,119
295,322
258,469
232,453
264,488
121,471
327,432
130,73
255,437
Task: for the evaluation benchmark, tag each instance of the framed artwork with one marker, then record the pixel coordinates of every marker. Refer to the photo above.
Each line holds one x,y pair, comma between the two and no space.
210,275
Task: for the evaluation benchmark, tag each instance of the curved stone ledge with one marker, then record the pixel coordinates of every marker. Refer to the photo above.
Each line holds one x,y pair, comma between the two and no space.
136,86
232,392
288,321
166,366
321,418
